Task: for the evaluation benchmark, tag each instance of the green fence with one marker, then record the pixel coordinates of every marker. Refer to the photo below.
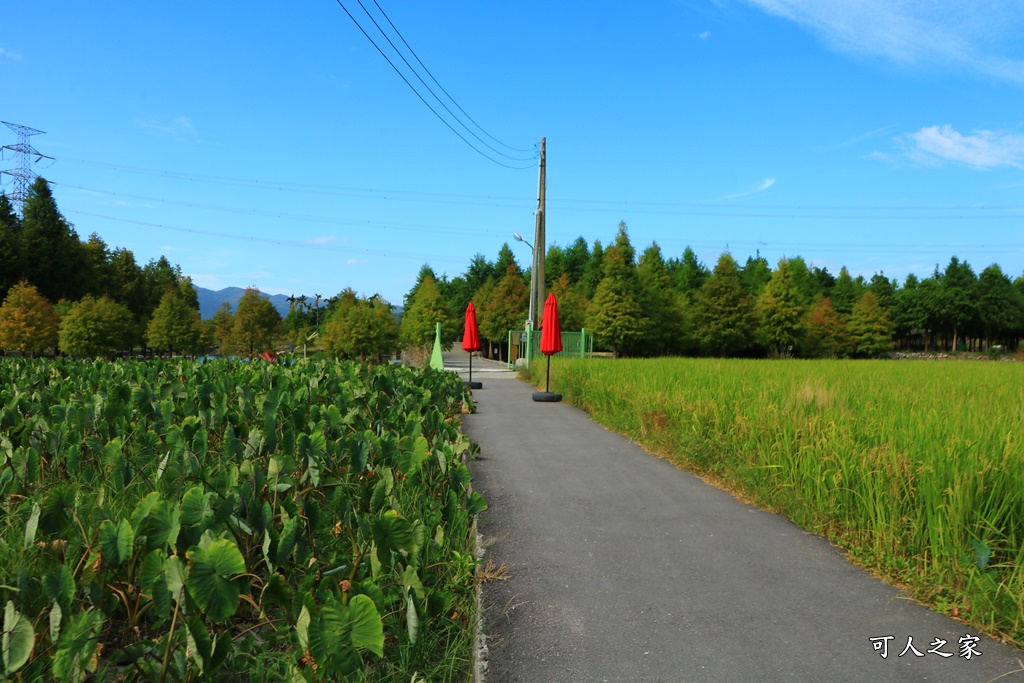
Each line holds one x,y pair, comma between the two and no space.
525,345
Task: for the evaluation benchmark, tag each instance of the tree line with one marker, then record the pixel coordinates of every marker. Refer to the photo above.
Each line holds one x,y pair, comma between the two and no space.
649,305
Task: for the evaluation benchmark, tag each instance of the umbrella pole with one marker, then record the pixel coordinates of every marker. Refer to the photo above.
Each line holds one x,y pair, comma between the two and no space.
547,379
471,367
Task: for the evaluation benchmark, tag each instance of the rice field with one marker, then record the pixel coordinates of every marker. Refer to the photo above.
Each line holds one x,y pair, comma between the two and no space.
916,468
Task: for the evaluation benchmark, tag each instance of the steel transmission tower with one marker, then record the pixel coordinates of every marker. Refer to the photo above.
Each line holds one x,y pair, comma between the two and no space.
22,173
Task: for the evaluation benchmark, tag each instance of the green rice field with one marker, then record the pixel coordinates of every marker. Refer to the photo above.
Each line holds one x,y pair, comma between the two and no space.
916,468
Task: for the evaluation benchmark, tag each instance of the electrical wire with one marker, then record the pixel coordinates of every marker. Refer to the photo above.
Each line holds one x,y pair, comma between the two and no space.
423,100
269,240
431,91
420,61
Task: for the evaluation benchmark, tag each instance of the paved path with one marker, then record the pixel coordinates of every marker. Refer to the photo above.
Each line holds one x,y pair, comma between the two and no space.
624,569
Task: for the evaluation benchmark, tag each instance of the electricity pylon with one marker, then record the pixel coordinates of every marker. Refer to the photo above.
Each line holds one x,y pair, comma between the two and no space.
22,173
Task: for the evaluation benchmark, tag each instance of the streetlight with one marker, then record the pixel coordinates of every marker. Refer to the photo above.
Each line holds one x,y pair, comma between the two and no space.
533,280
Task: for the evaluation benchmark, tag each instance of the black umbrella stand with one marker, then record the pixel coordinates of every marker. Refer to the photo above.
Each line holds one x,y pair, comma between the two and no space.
547,396
470,383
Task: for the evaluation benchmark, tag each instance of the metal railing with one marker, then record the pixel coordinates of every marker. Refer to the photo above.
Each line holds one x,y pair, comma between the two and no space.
524,346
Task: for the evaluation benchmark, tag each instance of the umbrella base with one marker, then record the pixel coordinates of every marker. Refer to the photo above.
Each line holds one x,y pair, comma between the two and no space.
546,397
473,385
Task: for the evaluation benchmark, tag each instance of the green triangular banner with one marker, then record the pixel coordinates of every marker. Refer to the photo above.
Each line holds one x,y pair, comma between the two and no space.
435,358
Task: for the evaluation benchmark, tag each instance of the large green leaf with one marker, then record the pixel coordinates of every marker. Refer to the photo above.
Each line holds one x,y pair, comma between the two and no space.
196,507
18,639
337,631
76,646
32,525
211,578
392,533
59,586
286,543
116,541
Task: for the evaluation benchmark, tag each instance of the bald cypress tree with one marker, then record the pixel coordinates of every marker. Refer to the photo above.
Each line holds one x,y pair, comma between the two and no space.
725,312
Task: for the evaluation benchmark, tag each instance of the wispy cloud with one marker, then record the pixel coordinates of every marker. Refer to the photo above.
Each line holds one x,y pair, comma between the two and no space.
356,261
327,239
705,35
973,35
981,149
178,127
7,54
856,140
761,187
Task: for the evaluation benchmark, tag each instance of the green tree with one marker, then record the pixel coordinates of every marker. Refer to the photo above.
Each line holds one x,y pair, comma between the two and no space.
576,256
725,312
871,329
257,323
95,327
424,309
360,328
572,307
661,305
28,322
614,314
884,290
690,274
223,327
845,293
826,333
958,304
594,270
780,312
11,265
505,308
755,275
53,255
175,325
1000,306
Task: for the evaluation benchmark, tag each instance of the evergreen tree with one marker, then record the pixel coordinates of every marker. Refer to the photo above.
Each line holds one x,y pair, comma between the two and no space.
360,328
52,254
95,327
554,264
826,332
506,307
871,329
845,294
661,306
958,305
909,314
576,256
594,270
689,276
1000,306
506,258
28,322
572,307
257,323
823,281
424,310
884,290
725,311
614,313
781,313
755,274
804,280
175,325
223,327
425,272
11,265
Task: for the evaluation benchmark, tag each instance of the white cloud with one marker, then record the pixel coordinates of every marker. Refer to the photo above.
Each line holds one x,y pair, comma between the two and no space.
178,127
761,187
10,55
356,261
935,145
980,35
705,35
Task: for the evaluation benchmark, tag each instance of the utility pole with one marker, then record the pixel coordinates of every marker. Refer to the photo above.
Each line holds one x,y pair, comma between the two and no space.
22,174
539,250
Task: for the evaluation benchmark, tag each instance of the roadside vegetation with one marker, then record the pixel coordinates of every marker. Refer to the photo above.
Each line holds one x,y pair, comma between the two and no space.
173,520
916,469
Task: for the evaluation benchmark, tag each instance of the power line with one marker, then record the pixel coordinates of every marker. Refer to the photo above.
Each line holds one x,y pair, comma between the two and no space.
595,205
420,61
269,240
422,99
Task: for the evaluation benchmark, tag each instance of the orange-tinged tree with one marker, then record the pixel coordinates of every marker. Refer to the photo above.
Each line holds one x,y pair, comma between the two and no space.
28,322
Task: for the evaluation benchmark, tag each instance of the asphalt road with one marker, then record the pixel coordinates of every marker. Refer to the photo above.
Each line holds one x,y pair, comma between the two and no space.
621,567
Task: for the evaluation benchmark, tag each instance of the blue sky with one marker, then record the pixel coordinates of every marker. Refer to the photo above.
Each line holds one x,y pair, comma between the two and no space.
270,144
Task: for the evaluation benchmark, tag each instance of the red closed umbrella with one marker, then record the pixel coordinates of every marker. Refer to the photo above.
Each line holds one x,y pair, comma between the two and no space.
551,335
471,339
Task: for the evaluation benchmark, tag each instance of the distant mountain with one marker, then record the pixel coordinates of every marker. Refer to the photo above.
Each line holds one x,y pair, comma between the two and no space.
210,300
